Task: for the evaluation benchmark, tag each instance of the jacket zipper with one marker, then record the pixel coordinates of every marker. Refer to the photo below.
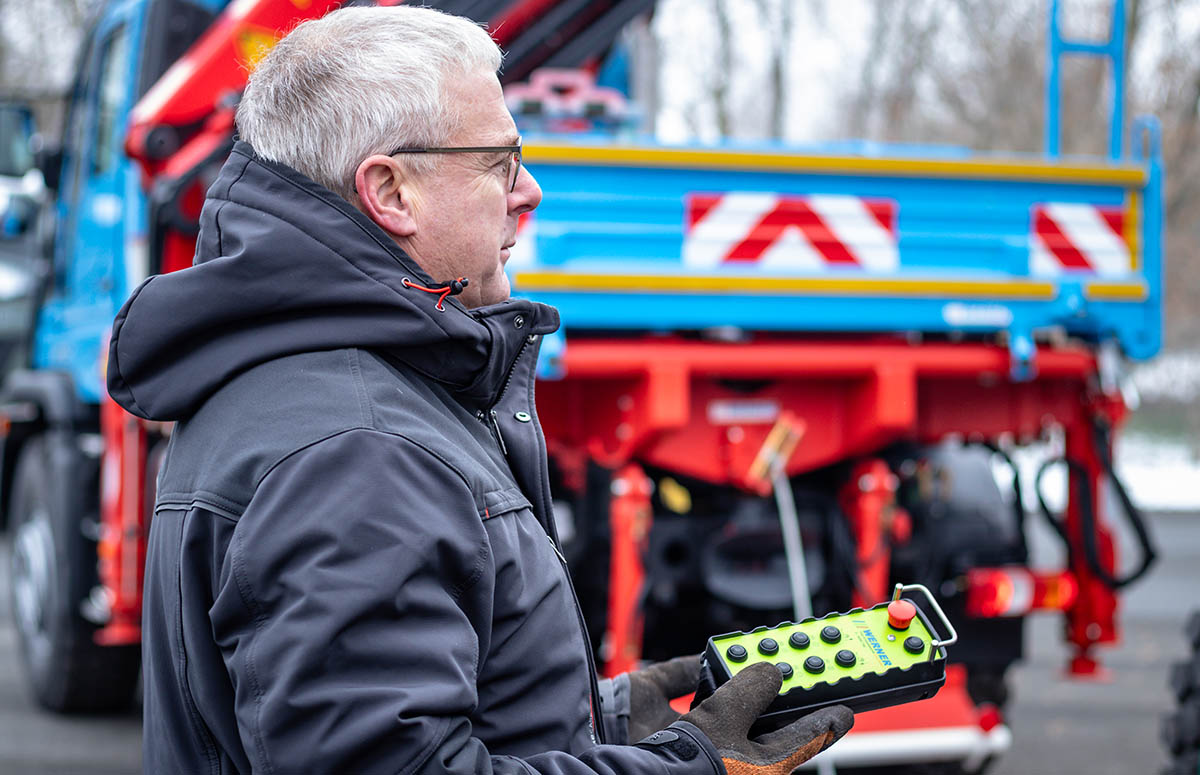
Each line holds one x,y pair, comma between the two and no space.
511,371
499,436
492,422
597,714
594,685
490,414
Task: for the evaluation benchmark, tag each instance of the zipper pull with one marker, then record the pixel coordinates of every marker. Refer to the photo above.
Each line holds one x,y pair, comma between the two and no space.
557,551
499,436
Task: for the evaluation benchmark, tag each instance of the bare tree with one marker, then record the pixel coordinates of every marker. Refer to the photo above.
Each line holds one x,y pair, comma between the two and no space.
39,42
776,18
985,61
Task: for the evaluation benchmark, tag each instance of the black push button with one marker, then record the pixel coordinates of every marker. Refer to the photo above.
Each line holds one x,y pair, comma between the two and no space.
784,669
831,634
798,640
736,653
767,646
814,665
845,658
914,645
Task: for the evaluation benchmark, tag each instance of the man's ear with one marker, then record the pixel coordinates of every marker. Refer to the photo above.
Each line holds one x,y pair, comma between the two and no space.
385,194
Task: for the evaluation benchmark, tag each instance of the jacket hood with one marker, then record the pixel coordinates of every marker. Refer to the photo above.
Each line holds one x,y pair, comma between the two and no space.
284,266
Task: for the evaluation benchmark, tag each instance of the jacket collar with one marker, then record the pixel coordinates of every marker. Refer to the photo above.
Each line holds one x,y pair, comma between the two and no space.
478,368
481,343
285,266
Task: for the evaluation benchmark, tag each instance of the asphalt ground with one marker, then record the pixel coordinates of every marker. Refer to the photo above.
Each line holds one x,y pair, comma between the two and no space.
1060,727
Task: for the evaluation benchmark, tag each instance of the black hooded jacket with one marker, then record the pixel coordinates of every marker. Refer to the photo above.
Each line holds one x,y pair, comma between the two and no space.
352,565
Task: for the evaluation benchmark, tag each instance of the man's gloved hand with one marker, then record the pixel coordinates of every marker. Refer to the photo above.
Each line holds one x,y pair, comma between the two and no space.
651,689
726,718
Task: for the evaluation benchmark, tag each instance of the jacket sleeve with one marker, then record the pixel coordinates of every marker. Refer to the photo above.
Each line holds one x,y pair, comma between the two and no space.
343,621
615,707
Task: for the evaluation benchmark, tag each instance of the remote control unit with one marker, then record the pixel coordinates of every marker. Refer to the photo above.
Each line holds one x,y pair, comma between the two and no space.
863,659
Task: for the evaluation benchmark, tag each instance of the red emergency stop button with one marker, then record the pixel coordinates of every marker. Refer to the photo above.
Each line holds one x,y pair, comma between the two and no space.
900,614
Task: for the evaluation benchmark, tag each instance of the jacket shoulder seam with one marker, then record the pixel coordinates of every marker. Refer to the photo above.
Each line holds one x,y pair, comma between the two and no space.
432,453
217,503
366,407
310,443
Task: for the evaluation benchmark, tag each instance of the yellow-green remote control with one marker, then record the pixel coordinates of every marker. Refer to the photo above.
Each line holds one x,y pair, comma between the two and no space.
863,659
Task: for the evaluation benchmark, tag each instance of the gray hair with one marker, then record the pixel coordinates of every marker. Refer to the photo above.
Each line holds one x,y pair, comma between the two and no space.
357,82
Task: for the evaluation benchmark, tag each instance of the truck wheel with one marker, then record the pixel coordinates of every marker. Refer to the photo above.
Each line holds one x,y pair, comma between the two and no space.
1180,729
52,569
987,685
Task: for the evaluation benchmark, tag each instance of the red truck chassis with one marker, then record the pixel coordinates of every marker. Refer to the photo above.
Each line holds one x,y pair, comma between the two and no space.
626,403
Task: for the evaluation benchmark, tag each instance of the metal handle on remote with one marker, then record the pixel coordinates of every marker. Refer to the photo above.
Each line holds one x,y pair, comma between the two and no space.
936,644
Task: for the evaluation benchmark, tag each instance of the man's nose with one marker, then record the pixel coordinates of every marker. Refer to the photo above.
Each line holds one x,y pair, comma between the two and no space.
527,194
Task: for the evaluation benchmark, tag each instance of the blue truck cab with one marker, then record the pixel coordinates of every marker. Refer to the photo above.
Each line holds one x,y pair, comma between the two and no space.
100,250
97,219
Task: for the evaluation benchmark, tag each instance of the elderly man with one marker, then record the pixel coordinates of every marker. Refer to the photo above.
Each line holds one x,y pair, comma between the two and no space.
353,564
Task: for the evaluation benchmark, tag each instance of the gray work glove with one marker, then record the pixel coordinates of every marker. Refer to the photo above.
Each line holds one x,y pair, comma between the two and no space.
652,688
726,718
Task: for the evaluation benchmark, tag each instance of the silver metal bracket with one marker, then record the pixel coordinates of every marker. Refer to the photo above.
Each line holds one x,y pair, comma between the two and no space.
936,644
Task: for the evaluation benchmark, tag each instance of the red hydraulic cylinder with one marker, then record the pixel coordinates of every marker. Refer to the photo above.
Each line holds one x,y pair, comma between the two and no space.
630,525
1092,619
121,550
868,499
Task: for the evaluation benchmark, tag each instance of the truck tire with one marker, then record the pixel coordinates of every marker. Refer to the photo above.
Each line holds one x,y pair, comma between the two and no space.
1180,731
52,569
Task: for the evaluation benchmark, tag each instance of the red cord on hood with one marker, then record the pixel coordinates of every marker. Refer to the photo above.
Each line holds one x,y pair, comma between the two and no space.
448,288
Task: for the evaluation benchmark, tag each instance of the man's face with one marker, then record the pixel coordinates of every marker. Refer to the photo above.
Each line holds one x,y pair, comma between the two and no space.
464,216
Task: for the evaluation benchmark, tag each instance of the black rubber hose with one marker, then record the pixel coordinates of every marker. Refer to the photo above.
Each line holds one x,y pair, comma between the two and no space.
1043,508
1087,514
1018,495
1101,439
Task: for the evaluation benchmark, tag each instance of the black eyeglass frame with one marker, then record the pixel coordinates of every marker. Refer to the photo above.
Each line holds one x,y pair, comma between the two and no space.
515,150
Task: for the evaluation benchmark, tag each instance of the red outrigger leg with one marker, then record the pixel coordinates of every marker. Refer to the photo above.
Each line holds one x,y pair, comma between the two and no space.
630,526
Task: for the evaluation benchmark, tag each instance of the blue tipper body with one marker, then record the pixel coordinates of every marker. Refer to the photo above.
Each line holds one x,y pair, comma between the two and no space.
853,238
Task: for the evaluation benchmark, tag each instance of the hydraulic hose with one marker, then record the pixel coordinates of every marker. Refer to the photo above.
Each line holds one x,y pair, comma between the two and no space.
1101,439
1079,474
1018,495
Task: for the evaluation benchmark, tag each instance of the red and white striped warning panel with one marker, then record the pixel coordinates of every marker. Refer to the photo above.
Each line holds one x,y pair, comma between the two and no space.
811,233
1067,237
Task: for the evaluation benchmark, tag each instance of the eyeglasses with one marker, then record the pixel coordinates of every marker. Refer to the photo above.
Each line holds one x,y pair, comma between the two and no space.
514,164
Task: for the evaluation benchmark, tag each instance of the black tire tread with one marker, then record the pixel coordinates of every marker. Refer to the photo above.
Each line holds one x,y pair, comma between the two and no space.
86,677
1180,729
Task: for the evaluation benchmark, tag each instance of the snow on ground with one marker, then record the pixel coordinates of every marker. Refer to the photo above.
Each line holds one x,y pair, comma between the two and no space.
1173,376
1159,474
1160,466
